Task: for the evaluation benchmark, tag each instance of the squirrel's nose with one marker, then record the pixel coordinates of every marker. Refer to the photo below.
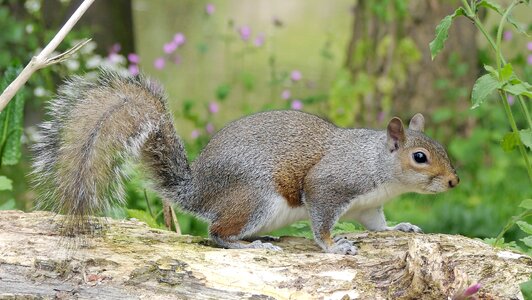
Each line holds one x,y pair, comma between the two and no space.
453,180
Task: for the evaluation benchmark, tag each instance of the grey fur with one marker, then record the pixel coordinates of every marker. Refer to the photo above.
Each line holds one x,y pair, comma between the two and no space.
258,173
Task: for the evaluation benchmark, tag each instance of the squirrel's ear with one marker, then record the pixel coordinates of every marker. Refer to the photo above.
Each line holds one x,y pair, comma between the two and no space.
417,123
396,134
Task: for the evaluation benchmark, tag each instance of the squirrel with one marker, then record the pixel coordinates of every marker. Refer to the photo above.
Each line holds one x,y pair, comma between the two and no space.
259,173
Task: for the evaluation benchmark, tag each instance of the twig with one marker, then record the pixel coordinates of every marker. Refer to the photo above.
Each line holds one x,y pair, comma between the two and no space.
43,59
176,224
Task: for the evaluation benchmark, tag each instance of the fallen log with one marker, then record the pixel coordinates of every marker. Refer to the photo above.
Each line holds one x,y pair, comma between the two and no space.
133,261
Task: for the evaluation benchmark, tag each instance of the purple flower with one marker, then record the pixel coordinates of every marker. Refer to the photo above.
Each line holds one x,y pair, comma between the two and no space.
195,134
213,107
210,128
529,59
507,35
511,99
115,48
472,290
296,75
133,58
159,63
209,9
133,70
179,39
259,40
297,105
286,94
245,33
529,46
168,48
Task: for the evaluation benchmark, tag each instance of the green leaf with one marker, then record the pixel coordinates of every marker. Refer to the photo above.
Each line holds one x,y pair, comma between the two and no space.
491,5
144,217
506,72
496,7
510,141
9,204
491,70
526,137
526,289
519,89
526,204
442,32
483,87
517,25
526,227
11,123
6,184
222,91
528,241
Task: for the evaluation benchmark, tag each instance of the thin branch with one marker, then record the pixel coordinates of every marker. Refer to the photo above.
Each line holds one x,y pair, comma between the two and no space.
43,59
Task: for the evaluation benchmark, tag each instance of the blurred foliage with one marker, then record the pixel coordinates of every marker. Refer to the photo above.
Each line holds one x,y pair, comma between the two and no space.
493,182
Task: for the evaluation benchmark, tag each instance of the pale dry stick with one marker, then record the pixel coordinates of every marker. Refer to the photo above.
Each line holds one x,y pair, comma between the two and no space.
43,59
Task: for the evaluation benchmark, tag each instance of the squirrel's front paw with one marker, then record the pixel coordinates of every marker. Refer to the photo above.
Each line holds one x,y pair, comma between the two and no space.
342,246
260,245
406,227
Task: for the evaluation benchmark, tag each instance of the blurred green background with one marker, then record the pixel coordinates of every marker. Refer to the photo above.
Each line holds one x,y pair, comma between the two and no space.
356,63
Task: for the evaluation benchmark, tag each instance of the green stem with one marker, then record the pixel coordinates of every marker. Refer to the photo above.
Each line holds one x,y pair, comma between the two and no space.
524,107
510,224
499,33
511,119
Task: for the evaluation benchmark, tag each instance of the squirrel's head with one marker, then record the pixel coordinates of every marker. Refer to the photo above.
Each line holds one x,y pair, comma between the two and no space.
423,163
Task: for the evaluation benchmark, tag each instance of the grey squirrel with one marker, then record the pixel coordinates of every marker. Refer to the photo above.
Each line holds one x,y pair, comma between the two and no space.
257,174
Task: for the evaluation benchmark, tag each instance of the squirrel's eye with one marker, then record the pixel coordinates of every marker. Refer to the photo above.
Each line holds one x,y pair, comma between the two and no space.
420,157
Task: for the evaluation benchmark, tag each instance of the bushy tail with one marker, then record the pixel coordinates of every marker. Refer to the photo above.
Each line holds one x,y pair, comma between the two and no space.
95,126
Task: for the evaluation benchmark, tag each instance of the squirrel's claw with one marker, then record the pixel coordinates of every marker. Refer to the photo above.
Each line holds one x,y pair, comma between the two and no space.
260,245
343,246
407,227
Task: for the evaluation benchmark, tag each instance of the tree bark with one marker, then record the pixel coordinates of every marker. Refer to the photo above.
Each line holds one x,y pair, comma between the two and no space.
133,261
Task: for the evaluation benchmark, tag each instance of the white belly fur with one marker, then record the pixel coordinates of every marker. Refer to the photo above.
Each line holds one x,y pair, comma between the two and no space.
283,215
374,199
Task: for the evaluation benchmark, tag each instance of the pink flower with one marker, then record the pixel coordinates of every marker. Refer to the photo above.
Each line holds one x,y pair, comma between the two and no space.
133,58
296,75
213,107
529,59
529,46
507,35
511,99
245,33
179,39
133,70
472,290
115,48
168,48
297,105
259,40
286,94
209,9
159,63
210,128
195,134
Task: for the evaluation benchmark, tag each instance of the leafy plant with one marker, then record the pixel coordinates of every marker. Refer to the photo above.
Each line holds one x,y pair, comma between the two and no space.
11,128
500,78
504,80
